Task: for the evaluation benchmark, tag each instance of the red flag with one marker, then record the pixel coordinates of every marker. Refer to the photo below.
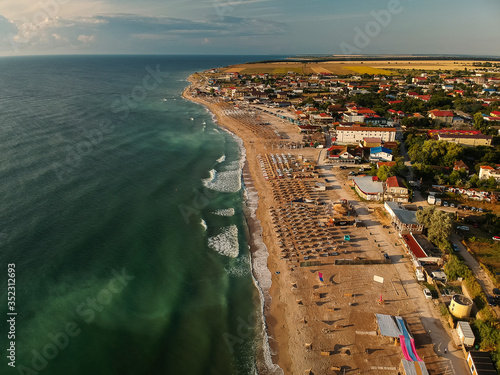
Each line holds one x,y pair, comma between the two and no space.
320,275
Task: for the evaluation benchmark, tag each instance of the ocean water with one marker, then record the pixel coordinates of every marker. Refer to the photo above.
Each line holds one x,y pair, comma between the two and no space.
123,211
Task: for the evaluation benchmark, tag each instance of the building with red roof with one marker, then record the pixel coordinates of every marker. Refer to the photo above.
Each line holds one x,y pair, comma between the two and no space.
466,140
459,164
396,190
441,116
485,172
386,163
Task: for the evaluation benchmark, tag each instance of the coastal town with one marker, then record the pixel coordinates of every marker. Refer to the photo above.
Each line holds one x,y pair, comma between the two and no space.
378,187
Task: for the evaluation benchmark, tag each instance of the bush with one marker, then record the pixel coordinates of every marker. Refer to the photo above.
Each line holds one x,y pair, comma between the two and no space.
444,310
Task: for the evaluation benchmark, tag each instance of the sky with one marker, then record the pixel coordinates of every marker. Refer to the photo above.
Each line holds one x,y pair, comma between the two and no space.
250,27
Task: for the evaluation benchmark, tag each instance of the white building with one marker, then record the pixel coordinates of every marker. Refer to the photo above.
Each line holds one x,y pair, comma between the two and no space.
353,117
355,134
380,154
485,172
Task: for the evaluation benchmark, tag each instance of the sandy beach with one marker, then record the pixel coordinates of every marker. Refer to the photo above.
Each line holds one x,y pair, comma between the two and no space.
325,324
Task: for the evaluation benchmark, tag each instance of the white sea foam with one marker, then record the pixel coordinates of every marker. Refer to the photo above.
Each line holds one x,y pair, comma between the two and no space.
212,178
226,242
239,267
261,277
226,182
229,176
225,212
221,159
204,224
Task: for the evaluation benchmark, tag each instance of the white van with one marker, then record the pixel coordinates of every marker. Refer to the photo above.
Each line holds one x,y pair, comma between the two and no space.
420,275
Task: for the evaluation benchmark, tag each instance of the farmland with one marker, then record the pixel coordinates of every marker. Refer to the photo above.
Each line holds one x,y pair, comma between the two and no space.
348,67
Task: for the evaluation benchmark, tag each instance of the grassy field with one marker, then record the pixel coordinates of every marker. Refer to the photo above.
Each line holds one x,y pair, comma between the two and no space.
487,252
370,70
348,67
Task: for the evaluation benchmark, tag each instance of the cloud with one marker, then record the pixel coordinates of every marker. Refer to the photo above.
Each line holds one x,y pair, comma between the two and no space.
7,32
214,26
86,39
105,31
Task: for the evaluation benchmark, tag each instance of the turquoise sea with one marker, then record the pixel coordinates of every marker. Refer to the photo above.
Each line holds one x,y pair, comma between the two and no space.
122,208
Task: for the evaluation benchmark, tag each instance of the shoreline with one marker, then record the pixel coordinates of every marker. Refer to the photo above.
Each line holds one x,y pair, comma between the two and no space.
259,251
300,311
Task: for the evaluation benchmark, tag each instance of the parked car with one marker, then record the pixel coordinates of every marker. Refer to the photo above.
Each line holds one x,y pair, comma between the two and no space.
463,227
427,293
491,300
496,238
452,204
455,247
445,204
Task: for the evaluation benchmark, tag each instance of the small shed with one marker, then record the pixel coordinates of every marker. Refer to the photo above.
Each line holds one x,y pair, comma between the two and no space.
465,333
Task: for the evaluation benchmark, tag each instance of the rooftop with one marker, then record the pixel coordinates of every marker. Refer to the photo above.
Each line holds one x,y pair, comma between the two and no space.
395,181
466,329
372,140
405,216
387,325
364,129
414,368
438,113
464,136
482,362
462,300
368,186
376,150
414,246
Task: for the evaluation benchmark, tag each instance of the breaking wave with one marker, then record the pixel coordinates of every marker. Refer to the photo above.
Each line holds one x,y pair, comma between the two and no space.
225,212
226,242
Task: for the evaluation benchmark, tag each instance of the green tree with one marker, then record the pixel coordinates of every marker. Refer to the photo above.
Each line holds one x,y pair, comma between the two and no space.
454,268
440,229
384,173
491,183
472,181
439,225
479,121
425,216
490,337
